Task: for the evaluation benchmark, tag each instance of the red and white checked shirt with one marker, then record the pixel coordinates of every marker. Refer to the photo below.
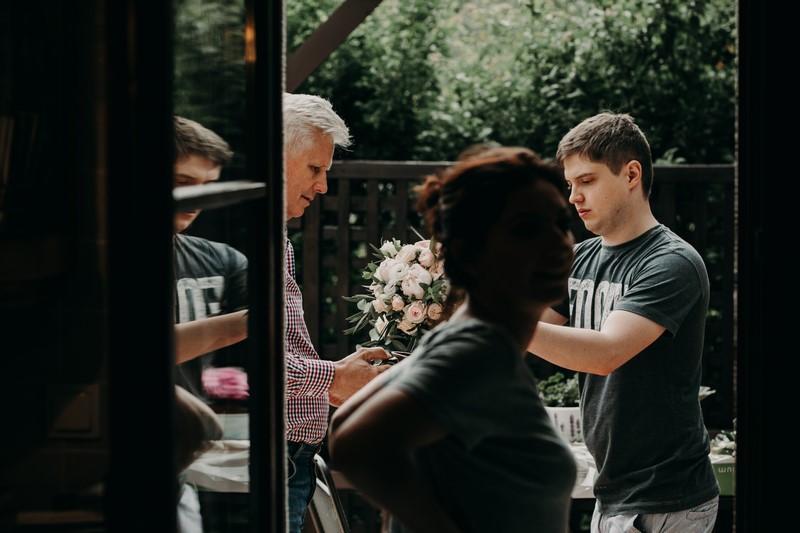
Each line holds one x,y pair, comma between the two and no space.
308,378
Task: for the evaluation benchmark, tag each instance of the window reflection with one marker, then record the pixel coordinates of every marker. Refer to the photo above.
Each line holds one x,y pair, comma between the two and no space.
210,261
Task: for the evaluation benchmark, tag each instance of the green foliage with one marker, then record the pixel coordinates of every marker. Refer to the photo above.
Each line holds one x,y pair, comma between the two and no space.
422,80
560,391
209,75
381,80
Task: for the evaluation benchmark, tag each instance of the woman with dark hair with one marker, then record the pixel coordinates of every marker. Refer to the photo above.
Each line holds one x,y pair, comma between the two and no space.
455,437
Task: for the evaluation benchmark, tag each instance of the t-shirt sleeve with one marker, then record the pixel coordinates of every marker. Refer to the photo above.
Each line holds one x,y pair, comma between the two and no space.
665,289
237,281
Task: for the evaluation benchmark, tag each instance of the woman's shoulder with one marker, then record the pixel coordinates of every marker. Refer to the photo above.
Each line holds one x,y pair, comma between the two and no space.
474,332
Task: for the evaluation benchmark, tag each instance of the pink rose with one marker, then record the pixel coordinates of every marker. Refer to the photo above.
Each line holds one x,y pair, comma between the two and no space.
407,253
391,270
389,248
397,302
415,312
437,270
435,311
426,258
411,284
380,306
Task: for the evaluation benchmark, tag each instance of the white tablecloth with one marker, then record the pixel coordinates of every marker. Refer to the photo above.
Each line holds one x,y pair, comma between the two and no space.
224,468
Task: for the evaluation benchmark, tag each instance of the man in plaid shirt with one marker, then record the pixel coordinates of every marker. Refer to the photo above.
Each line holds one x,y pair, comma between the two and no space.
312,130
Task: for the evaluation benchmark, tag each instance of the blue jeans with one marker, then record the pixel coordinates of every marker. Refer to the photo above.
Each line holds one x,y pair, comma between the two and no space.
302,481
698,519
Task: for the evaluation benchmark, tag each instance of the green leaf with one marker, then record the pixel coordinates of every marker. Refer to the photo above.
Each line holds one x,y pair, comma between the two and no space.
558,391
357,298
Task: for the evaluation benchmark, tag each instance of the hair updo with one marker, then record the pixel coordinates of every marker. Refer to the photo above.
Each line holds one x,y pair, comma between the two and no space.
464,201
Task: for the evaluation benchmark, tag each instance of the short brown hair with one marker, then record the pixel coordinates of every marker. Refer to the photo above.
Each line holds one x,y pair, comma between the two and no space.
193,138
464,200
612,139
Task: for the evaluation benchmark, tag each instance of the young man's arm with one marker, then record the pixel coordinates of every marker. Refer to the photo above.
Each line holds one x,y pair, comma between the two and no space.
199,337
622,337
553,317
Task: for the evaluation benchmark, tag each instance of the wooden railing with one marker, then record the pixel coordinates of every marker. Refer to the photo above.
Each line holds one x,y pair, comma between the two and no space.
369,201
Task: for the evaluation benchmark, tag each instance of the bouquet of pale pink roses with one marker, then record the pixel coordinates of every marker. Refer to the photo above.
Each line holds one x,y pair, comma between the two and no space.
406,292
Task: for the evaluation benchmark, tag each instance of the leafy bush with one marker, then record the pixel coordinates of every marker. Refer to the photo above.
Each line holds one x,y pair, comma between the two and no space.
209,68
422,80
560,391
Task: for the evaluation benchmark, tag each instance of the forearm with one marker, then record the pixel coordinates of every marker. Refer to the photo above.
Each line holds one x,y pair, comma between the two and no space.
383,472
199,337
583,350
622,337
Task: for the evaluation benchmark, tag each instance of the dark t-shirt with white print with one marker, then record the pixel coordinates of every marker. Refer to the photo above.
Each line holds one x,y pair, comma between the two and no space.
643,423
211,279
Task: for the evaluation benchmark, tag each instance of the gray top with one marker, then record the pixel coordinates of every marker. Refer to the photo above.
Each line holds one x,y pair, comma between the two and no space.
502,467
643,423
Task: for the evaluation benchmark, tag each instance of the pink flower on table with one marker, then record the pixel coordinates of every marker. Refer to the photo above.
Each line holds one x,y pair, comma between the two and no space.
228,383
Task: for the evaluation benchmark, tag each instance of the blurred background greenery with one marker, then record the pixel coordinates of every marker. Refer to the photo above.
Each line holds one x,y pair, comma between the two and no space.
422,79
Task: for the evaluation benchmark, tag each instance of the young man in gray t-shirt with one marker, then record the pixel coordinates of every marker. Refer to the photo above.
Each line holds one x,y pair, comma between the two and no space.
637,302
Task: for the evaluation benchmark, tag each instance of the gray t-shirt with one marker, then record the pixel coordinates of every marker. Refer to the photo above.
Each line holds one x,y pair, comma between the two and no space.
502,467
643,423
210,279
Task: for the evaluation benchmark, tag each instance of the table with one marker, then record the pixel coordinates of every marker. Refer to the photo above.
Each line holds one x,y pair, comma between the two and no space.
225,469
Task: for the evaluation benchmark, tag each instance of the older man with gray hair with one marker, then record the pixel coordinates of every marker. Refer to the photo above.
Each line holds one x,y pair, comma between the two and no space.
312,131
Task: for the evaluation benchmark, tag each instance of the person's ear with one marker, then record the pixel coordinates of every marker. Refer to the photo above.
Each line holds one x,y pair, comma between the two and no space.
633,171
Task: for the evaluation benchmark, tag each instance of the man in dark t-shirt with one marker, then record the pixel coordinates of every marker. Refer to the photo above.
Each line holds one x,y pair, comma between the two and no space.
635,314
210,280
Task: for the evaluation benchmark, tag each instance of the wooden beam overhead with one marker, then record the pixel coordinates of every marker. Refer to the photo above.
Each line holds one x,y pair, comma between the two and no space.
325,40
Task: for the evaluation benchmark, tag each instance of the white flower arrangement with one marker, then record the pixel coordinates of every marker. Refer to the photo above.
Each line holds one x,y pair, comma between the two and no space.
407,290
